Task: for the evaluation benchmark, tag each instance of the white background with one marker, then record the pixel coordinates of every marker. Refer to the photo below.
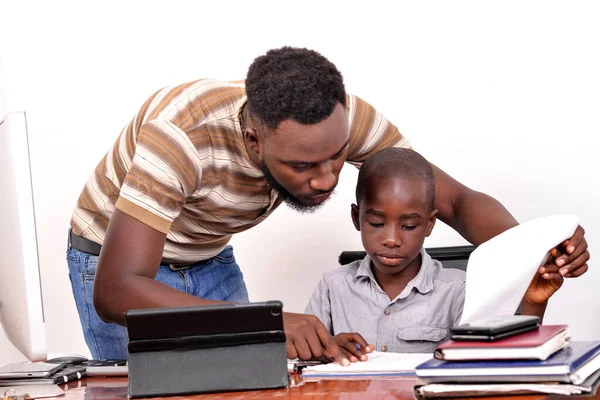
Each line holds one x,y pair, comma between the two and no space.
502,95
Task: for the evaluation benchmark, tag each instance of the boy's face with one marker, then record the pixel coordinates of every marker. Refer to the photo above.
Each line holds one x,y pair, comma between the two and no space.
393,218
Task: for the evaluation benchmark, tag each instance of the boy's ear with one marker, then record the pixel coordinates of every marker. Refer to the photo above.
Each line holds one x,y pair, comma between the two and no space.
431,222
354,211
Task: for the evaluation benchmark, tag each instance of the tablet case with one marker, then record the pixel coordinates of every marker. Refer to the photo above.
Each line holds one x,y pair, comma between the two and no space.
203,349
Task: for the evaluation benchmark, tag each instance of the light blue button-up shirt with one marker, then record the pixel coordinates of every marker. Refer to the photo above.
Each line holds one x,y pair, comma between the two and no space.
349,299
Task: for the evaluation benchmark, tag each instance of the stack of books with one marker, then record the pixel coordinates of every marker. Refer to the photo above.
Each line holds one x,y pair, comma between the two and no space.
540,361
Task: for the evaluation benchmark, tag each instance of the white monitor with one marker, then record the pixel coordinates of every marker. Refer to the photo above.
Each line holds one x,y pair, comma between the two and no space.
21,310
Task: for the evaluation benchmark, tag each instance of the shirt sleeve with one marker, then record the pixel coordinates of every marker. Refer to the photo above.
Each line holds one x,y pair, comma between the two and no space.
459,304
320,306
370,131
165,170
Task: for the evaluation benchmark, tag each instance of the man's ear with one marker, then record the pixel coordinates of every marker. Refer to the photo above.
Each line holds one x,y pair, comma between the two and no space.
354,211
253,140
431,221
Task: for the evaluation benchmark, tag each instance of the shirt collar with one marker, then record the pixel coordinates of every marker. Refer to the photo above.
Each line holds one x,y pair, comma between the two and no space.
423,282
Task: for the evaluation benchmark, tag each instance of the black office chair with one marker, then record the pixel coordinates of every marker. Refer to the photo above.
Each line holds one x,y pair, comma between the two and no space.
450,257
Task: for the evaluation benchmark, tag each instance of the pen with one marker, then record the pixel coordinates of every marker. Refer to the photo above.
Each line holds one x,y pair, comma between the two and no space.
295,366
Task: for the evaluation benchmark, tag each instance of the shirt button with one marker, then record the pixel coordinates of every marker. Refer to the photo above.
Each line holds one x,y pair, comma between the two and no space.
383,348
387,311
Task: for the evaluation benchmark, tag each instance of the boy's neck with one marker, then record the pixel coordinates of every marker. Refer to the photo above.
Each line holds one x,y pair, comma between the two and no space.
393,285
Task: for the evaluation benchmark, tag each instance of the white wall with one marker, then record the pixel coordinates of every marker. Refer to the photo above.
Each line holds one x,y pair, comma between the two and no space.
502,95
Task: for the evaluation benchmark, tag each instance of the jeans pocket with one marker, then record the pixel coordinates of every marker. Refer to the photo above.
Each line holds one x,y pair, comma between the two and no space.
90,265
73,255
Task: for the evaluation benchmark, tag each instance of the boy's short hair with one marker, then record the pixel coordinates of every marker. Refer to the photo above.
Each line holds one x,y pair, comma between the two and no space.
400,163
292,83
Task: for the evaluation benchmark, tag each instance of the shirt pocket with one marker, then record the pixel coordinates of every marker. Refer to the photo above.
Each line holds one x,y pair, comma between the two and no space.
420,339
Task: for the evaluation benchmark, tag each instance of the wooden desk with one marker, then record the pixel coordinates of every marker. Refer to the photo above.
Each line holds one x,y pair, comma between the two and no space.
377,388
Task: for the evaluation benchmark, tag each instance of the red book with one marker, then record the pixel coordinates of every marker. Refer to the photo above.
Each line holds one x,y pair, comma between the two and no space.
534,345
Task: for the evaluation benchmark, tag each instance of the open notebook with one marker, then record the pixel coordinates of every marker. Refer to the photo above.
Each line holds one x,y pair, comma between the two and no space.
379,363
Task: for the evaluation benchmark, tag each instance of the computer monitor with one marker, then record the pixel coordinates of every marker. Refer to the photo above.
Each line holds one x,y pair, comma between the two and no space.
21,309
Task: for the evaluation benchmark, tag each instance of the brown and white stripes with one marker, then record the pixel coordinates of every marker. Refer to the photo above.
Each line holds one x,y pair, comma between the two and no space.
180,166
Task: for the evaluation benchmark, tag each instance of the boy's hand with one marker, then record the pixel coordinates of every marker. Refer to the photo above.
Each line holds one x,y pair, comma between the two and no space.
355,346
572,255
545,283
308,339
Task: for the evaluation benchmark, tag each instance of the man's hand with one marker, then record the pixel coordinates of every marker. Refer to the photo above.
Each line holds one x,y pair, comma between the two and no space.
307,339
355,346
572,255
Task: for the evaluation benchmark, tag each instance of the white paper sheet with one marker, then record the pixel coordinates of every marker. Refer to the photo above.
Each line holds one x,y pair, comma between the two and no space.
378,362
500,270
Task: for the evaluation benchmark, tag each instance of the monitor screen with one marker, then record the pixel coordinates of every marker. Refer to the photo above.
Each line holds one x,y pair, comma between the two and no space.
21,310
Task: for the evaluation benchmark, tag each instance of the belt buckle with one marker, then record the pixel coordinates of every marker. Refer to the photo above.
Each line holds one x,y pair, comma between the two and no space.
176,268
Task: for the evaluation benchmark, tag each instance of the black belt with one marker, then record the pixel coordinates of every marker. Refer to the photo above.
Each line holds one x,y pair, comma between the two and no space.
83,244
93,248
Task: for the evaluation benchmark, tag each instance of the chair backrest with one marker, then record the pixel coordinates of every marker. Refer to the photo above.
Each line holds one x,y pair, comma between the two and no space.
450,257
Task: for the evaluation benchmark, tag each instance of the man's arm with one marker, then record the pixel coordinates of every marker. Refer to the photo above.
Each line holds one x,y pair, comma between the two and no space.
479,217
475,215
128,264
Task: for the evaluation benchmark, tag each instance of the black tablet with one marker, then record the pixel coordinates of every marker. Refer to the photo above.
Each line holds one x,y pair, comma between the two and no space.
204,349
225,323
495,328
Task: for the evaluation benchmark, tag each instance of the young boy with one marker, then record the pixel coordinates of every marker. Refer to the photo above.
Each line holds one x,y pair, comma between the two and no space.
398,298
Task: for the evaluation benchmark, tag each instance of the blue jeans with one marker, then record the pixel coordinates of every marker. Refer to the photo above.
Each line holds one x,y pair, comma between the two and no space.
218,278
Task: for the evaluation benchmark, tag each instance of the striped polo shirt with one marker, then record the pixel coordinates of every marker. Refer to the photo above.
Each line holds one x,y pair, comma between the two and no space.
181,167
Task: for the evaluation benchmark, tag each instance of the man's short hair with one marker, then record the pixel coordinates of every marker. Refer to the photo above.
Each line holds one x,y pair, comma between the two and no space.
293,84
396,162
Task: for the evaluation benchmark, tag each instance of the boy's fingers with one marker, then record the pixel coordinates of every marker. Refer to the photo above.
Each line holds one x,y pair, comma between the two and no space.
360,345
339,354
350,356
333,350
556,281
575,240
358,339
578,272
575,267
554,276
352,344
548,268
574,255
354,351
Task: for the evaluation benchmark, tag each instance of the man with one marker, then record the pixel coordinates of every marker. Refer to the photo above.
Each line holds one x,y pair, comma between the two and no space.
207,159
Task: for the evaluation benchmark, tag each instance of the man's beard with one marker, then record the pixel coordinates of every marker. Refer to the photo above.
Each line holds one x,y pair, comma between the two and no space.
288,198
